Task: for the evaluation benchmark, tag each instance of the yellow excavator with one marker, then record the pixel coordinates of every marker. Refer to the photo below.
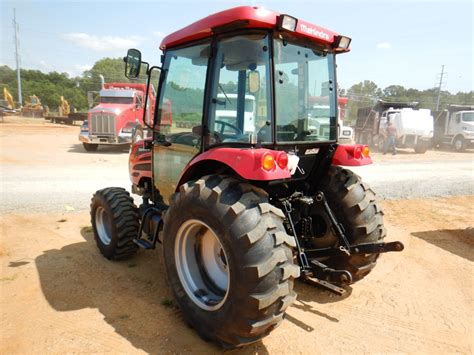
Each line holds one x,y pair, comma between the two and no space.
33,108
64,108
8,99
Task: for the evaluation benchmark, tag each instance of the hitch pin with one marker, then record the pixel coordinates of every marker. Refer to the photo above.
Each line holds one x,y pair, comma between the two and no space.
344,250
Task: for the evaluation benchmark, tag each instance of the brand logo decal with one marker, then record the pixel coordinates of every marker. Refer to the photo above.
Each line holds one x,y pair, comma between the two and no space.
313,31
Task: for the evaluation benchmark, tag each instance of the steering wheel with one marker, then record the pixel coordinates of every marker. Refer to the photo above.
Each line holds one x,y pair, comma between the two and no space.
223,124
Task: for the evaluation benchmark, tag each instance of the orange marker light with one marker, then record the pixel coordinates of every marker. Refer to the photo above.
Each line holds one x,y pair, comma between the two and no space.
366,152
268,162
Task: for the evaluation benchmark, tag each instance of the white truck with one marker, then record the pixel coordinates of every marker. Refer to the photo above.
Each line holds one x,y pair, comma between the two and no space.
455,127
318,122
227,112
414,126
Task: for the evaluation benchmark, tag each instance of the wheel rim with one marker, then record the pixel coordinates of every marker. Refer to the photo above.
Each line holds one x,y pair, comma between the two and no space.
103,229
202,265
458,144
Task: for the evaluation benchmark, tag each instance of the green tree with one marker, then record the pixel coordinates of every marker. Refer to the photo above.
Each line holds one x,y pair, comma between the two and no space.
360,95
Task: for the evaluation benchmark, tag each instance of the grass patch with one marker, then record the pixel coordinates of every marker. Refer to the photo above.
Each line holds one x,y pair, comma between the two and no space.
132,265
8,278
86,229
167,303
123,317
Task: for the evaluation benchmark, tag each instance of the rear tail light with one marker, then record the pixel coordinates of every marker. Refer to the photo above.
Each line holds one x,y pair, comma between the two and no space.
282,160
357,152
268,162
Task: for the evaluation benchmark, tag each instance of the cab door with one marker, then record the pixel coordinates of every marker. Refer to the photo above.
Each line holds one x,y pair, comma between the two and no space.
177,137
454,124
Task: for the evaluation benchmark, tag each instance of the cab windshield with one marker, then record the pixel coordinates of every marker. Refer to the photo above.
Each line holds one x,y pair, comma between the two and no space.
468,116
116,100
304,94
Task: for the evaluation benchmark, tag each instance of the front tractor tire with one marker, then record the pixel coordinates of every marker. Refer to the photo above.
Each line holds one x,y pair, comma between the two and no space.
228,260
354,205
115,223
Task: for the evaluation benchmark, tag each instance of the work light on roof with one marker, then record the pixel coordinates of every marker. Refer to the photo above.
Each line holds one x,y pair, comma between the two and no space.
342,42
288,23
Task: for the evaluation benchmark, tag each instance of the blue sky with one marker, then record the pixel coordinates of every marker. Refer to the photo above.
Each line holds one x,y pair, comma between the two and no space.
394,42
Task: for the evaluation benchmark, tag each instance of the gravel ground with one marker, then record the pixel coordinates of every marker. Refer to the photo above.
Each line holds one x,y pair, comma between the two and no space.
45,168
420,179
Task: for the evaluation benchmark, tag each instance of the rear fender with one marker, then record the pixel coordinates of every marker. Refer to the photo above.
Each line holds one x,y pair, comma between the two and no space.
245,163
351,155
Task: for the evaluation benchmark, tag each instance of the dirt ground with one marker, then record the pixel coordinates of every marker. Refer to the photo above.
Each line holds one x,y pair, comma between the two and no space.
59,295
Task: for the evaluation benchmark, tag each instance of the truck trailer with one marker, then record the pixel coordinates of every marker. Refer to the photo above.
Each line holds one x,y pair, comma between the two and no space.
414,125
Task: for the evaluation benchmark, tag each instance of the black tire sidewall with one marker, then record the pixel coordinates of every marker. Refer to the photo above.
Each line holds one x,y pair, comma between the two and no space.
211,217
106,250
90,147
211,202
462,144
185,302
344,206
121,245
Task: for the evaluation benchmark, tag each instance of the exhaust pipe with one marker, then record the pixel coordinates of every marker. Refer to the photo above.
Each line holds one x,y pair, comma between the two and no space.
102,81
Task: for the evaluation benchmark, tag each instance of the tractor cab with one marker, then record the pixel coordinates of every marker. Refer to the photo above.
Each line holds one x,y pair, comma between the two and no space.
243,79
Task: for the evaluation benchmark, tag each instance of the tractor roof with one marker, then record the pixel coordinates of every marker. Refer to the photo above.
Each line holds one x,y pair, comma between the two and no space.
243,17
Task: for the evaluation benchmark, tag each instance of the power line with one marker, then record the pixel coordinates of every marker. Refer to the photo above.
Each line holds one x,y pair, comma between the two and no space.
17,57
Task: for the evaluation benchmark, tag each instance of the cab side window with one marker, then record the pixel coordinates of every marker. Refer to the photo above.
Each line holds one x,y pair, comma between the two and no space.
240,102
182,97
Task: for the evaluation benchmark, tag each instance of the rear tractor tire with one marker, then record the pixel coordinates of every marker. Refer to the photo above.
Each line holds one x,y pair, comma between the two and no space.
115,223
228,260
89,147
354,205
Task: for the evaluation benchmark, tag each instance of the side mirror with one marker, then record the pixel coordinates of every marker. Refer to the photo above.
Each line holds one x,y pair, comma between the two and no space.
133,62
254,81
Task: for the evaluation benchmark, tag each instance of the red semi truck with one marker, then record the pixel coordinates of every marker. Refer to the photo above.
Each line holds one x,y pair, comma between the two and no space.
117,119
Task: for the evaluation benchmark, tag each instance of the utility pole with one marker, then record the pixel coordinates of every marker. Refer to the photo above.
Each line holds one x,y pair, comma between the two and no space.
17,58
439,87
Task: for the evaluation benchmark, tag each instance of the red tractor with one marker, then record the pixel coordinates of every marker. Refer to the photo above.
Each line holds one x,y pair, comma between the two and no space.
242,204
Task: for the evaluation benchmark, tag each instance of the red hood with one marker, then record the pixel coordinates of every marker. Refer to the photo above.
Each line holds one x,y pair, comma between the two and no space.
112,107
